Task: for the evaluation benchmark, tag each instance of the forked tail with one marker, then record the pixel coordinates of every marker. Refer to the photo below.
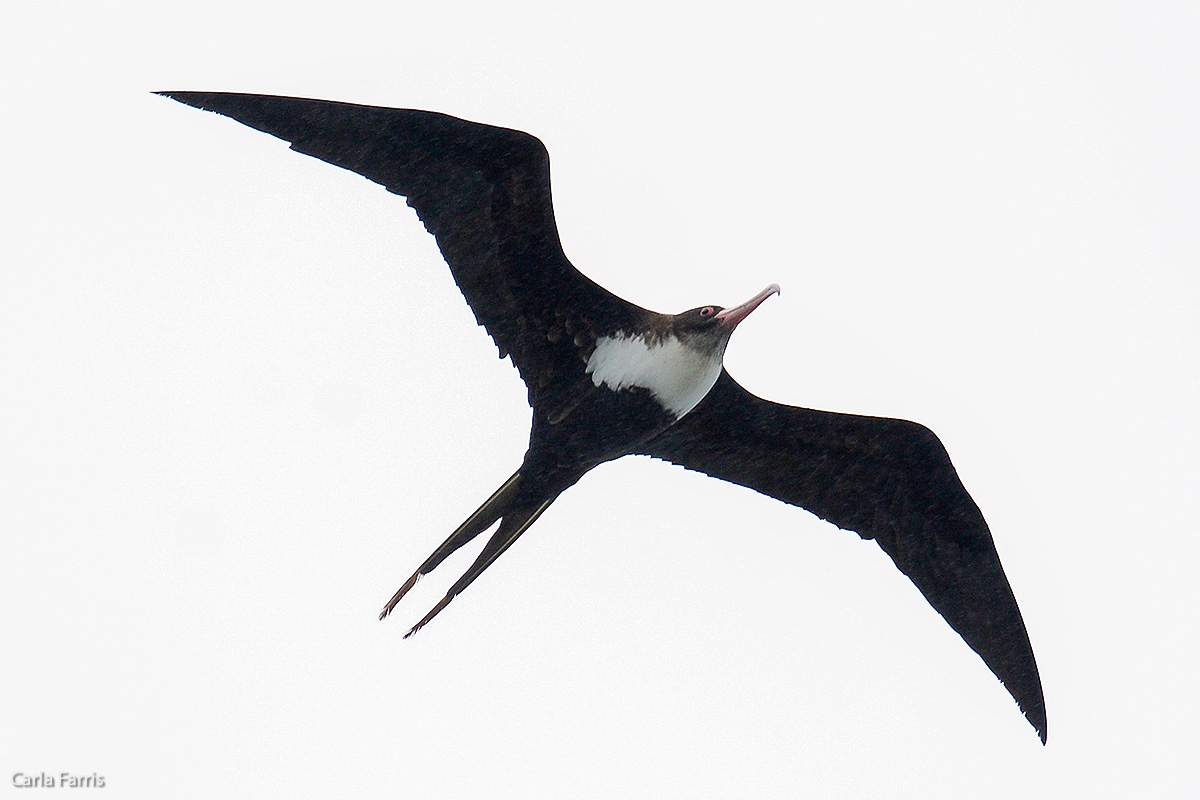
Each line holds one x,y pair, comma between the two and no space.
516,513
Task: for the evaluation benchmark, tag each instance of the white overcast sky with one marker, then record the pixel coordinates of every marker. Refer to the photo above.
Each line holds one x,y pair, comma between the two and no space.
243,399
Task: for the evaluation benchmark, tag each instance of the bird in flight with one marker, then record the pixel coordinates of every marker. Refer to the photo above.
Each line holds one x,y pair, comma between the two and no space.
607,378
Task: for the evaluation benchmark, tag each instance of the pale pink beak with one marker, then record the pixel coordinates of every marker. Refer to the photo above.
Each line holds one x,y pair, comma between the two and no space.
730,317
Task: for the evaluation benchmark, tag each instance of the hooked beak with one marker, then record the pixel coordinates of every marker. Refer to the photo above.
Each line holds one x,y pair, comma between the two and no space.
730,317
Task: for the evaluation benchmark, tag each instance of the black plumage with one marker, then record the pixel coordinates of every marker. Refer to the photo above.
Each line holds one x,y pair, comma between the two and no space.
484,193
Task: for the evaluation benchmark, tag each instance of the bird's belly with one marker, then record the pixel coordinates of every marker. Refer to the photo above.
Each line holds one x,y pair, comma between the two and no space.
605,426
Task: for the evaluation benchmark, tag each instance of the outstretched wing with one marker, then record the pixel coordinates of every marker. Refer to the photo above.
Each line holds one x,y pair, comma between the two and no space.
885,479
484,193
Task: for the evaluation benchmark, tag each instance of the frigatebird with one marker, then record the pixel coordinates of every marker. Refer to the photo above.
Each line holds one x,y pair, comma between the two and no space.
607,378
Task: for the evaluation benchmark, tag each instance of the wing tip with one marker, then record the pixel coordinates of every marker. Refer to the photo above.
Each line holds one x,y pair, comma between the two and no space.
1037,718
173,94
193,99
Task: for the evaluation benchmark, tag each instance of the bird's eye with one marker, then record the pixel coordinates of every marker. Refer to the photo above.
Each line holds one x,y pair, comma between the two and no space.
707,311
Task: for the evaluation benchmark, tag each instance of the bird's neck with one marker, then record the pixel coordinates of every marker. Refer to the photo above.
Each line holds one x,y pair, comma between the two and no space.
677,374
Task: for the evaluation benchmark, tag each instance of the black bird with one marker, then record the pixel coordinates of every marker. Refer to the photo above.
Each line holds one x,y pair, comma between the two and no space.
607,378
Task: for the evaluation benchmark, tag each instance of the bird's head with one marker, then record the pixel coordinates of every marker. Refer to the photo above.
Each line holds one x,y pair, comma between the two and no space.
708,328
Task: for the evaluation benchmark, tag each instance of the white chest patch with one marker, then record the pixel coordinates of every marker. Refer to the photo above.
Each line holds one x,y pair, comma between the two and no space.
675,374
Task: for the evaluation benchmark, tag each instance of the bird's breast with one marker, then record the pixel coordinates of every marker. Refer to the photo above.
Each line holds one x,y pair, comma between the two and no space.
676,375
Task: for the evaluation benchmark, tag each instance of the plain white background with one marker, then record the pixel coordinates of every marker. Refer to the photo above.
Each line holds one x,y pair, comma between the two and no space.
243,399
